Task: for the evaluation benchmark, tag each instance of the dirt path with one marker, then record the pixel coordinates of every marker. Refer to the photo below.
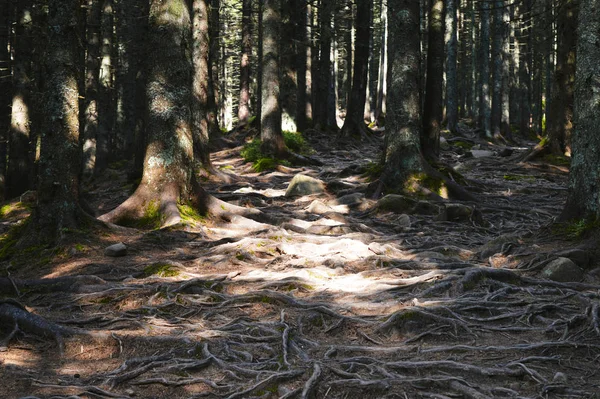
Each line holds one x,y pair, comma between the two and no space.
336,300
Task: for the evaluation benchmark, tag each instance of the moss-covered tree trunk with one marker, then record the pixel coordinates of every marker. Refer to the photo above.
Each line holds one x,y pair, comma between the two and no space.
17,174
403,120
405,169
201,47
354,124
168,165
271,135
60,159
584,180
433,105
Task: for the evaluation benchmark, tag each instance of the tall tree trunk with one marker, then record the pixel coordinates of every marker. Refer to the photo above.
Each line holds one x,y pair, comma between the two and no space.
433,105
451,68
484,61
505,112
168,177
403,120
105,96
271,134
58,181
524,72
301,63
201,43
321,109
560,115
381,106
92,73
354,124
213,62
244,103
310,62
5,87
17,174
584,180
371,102
259,68
498,34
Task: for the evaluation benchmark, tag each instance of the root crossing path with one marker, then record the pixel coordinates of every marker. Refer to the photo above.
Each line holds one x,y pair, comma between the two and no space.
327,295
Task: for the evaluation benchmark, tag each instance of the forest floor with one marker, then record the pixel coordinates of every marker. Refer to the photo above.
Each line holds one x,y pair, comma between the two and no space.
341,300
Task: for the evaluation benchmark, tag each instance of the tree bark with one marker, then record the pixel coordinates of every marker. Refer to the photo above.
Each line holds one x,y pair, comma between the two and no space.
559,122
60,160
105,96
498,34
5,87
433,105
451,69
584,180
484,61
381,105
17,174
200,82
302,58
354,124
168,177
271,134
92,73
213,62
321,109
244,102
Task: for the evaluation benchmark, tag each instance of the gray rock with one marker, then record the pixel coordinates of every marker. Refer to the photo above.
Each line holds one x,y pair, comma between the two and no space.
482,153
497,245
116,250
577,255
349,199
304,185
461,213
402,204
403,221
563,270
319,207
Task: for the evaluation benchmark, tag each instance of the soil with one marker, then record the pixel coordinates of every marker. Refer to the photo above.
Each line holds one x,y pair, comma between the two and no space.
342,302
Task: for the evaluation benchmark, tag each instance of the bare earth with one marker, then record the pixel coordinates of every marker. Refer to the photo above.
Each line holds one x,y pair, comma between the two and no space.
339,301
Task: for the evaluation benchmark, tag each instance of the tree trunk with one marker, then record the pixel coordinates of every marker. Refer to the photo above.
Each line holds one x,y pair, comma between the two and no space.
200,81
560,115
321,109
17,174
168,177
484,61
354,124
451,69
5,87
584,180
498,34
302,58
58,181
213,63
105,96
271,134
92,72
524,74
403,121
244,103
381,107
433,105
505,108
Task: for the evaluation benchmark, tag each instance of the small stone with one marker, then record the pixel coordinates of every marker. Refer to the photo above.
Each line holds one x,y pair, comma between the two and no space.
304,185
403,221
349,199
130,392
559,378
116,250
482,153
318,207
563,270
579,256
505,152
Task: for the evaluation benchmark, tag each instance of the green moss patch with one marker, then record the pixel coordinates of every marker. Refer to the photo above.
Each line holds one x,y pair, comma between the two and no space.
519,178
262,162
576,229
161,270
